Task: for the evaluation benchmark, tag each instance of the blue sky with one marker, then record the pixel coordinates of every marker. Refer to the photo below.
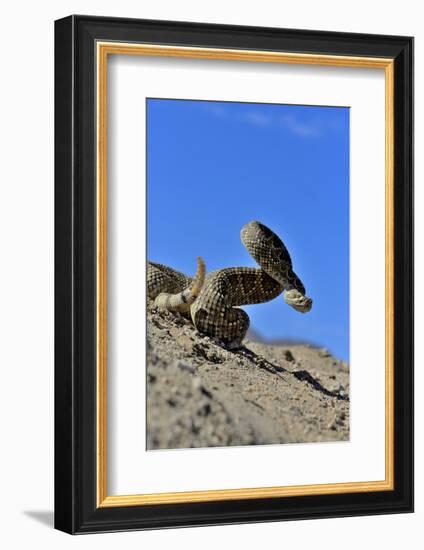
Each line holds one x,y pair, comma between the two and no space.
214,166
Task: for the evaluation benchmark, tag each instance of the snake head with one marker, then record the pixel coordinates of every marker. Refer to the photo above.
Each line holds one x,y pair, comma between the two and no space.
297,300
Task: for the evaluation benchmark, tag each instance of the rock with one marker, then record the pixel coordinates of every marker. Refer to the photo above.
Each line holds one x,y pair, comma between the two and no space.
200,394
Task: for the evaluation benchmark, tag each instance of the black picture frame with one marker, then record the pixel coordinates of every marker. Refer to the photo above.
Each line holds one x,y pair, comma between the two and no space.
76,509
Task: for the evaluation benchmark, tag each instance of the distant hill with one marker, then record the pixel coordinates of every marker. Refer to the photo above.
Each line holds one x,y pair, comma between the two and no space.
254,336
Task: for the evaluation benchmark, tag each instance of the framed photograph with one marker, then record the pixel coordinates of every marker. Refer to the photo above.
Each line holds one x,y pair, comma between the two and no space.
234,274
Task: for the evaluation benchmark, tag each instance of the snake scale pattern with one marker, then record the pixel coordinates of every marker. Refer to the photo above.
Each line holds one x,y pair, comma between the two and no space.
213,301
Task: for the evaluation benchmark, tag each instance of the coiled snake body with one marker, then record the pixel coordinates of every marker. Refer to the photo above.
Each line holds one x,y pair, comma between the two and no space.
213,301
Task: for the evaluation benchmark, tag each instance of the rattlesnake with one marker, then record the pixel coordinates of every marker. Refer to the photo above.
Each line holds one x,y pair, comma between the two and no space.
213,301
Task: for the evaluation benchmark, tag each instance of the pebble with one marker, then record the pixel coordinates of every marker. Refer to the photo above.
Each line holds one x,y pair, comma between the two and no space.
186,367
323,352
196,383
288,356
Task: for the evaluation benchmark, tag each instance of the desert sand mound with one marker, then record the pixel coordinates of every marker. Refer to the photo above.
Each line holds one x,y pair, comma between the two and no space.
200,394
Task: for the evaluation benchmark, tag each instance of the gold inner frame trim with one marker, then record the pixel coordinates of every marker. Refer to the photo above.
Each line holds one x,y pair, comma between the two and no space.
104,49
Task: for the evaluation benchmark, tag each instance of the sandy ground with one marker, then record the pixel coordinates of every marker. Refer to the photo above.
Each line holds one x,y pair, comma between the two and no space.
200,394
